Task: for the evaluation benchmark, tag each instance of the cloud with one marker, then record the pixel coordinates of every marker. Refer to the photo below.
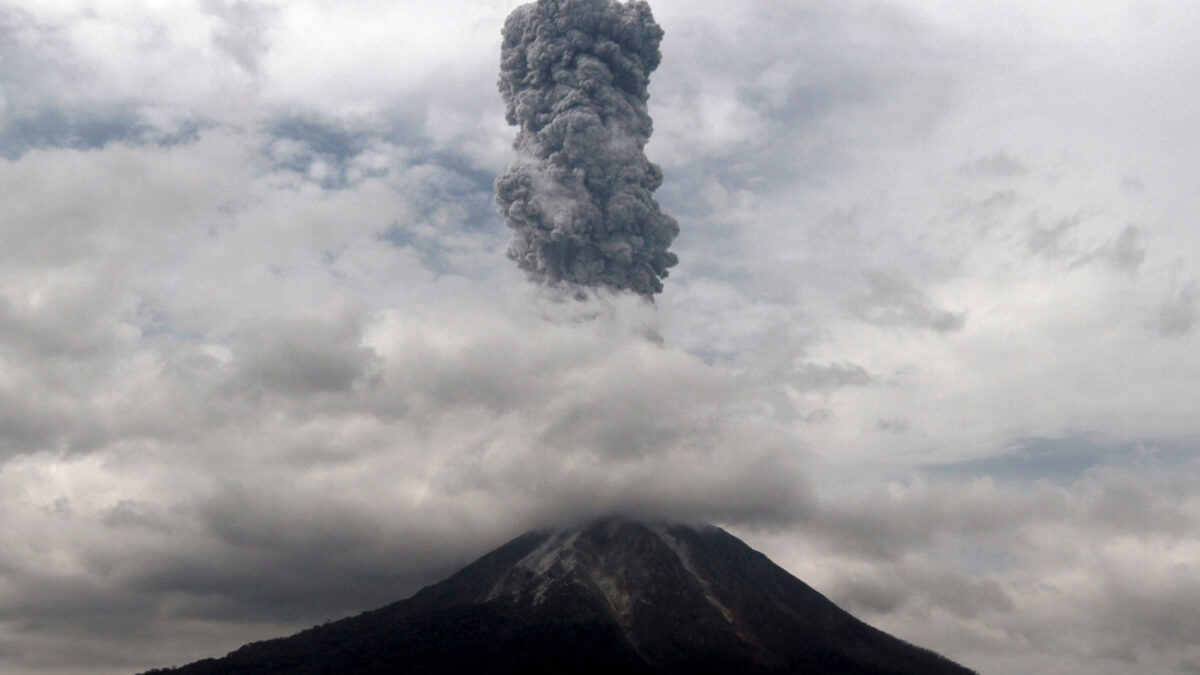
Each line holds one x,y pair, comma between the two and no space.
1177,314
996,165
831,376
1126,252
891,301
1053,242
312,466
242,34
997,571
88,130
262,361
301,357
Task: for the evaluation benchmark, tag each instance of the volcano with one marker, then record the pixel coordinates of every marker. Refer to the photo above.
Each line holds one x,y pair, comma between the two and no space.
614,596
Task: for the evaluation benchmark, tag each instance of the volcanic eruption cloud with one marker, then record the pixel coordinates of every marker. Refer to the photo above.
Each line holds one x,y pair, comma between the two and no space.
579,197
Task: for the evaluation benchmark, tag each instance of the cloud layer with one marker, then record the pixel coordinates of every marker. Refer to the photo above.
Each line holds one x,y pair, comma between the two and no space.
930,343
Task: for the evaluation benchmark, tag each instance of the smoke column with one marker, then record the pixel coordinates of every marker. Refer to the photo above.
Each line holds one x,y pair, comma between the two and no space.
573,75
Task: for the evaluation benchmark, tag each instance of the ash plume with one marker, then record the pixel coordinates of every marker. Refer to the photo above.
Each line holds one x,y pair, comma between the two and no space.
579,197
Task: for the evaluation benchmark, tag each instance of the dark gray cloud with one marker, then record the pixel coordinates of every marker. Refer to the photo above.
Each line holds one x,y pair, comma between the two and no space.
830,376
1068,239
1053,241
996,165
574,77
301,357
892,301
893,425
242,33
1177,315
1127,253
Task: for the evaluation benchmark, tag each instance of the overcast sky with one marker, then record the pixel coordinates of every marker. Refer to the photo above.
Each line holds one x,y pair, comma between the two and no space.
931,343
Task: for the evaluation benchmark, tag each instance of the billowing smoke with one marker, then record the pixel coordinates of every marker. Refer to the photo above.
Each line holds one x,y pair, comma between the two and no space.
579,198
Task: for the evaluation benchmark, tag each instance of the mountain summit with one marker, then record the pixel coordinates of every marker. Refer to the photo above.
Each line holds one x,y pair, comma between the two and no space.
615,596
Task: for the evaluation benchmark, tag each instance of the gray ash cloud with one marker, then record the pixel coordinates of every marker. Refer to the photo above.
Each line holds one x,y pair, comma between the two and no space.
579,197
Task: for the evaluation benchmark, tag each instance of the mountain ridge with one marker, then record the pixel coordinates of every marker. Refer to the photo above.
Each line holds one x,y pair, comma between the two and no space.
615,595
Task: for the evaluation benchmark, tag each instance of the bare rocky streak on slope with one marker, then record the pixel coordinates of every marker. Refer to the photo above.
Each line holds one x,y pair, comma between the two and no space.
614,596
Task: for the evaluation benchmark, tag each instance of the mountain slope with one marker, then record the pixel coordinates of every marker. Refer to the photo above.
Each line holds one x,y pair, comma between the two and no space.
615,596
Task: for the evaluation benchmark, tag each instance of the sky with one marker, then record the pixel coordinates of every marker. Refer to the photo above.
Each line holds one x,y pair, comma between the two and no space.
930,343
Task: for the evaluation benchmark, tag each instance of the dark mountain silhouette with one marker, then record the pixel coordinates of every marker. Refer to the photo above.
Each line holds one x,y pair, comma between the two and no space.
615,596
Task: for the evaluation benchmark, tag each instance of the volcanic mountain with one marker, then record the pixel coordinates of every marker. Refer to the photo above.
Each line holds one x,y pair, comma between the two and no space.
615,596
